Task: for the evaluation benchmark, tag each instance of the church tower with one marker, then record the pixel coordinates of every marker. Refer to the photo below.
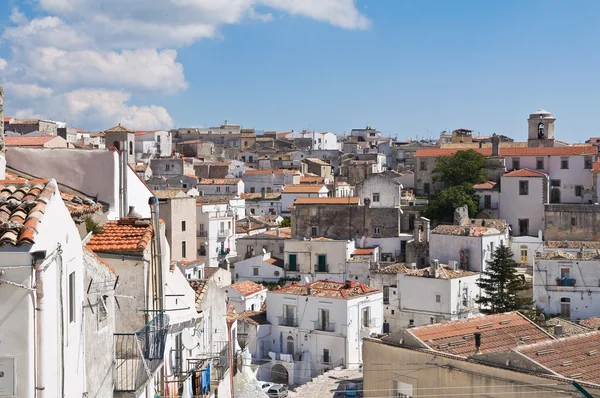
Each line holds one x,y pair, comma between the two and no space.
541,129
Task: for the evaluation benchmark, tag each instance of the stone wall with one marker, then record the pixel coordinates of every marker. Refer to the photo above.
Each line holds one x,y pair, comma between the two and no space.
572,222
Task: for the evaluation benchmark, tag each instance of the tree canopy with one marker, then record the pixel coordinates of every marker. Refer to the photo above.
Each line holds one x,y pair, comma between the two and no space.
501,284
286,222
441,208
464,167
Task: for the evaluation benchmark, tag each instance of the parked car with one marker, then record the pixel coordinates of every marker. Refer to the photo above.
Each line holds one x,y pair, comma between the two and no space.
278,391
265,385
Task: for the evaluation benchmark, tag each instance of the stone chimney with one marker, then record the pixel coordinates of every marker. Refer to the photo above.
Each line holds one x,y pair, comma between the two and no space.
495,145
461,216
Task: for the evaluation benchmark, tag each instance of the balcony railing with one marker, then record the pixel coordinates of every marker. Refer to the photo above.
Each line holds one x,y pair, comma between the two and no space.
139,352
202,234
565,282
371,323
324,326
287,321
321,268
223,233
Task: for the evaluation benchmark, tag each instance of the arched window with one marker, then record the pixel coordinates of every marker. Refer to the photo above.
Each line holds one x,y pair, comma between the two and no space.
541,134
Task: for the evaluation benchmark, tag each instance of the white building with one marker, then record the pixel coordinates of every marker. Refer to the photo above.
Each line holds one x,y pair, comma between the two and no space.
415,297
319,326
41,295
523,195
567,283
153,144
325,141
246,296
262,204
489,199
270,180
215,222
220,186
289,193
317,258
380,190
259,268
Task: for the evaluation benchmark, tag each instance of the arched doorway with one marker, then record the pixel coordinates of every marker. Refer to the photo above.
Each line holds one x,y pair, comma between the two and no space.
555,195
279,374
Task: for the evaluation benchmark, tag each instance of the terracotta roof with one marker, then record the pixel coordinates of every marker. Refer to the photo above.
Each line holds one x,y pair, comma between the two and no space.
302,188
569,328
514,151
312,180
285,233
247,288
145,132
591,323
258,196
485,185
278,262
22,207
213,199
363,252
265,172
525,173
444,271
7,119
592,255
253,317
596,166
199,286
499,332
141,167
80,206
326,201
575,357
126,235
27,141
118,129
328,289
219,181
210,271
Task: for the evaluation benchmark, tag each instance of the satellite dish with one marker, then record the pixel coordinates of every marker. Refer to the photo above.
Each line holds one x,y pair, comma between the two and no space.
306,279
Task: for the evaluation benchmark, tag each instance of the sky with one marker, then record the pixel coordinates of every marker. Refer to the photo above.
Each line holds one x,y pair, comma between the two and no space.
407,68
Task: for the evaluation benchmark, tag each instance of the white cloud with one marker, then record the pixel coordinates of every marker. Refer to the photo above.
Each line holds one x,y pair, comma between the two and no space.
17,16
3,64
27,91
45,32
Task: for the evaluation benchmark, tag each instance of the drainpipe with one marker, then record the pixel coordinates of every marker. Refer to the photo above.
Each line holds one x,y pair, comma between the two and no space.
153,202
37,260
125,156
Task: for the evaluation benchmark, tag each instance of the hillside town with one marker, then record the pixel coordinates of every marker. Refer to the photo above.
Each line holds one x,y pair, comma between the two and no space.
230,262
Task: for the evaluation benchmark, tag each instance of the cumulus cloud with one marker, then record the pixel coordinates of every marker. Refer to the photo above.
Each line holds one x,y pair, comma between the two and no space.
3,64
27,91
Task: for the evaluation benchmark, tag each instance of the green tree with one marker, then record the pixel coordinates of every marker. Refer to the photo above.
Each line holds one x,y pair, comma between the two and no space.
441,208
501,284
286,222
464,167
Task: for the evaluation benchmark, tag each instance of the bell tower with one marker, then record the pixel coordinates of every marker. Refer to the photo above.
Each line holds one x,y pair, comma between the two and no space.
541,129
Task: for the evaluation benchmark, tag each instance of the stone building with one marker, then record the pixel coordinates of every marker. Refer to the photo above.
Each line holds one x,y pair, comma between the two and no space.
578,222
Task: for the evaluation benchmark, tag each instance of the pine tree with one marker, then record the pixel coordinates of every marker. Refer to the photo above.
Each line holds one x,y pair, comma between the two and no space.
501,284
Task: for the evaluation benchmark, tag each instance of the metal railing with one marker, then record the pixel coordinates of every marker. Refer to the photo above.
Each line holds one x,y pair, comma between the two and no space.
223,233
202,234
324,326
287,321
370,323
321,268
138,353
565,281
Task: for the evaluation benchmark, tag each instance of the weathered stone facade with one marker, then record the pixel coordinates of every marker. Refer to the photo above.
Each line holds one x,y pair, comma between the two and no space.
417,250
577,222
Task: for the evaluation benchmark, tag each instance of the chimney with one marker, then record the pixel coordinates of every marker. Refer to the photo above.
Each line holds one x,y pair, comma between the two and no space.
495,145
558,330
348,284
434,268
411,323
477,341
133,213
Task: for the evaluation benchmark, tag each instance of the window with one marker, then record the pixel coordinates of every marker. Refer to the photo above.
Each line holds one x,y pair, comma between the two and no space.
289,315
366,317
523,226
293,262
438,298
202,250
516,163
72,307
102,308
565,307
323,321
377,231
573,221
326,358
426,187
255,271
281,249
555,183
271,211
402,390
539,163
167,167
183,249
183,226
227,189
423,166
565,272
487,201
313,232
313,212
321,262
524,253
269,190
386,295
587,162
252,190
375,197
253,211
579,190
218,189
252,307
564,163
523,187
178,351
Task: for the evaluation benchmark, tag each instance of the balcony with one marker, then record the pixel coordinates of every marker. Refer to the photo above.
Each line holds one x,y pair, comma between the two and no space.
322,268
370,323
324,326
565,282
202,234
223,233
287,321
138,354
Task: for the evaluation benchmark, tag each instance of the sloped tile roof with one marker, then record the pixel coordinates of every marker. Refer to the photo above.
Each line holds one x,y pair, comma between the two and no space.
525,173
210,271
499,332
27,140
514,151
328,289
363,251
312,180
219,181
485,185
444,271
591,323
22,207
247,288
278,262
284,233
327,201
214,199
170,193
78,206
129,234
118,129
304,188
575,357
200,286
253,317
258,196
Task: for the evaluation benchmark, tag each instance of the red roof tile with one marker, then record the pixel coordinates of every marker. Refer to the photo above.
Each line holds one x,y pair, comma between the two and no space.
592,323
285,233
258,196
363,252
126,235
27,141
80,206
312,180
525,173
328,289
516,151
499,332
247,288
575,357
219,181
485,185
302,188
326,201
22,207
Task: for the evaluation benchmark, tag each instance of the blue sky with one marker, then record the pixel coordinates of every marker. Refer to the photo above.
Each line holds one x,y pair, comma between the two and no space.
408,68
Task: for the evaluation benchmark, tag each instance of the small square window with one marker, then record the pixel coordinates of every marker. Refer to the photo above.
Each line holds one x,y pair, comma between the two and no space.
255,271
555,183
377,231
375,197
423,166
578,190
564,163
587,162
523,187
516,163
183,226
313,232
539,163
438,298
